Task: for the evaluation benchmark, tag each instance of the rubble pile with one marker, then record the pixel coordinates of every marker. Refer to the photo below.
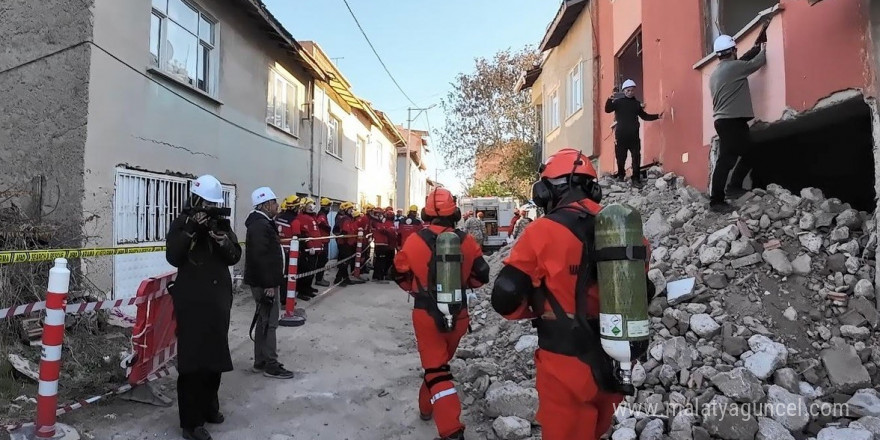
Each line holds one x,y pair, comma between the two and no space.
776,340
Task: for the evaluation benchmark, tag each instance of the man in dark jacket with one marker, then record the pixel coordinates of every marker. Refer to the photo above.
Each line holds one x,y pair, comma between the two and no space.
627,111
201,245
264,273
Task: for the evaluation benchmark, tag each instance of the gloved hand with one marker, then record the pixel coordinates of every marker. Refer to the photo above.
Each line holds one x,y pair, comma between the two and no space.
762,37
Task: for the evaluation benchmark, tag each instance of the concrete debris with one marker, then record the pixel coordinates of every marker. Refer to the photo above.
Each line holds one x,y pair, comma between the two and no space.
779,261
787,408
845,369
834,433
512,428
740,385
511,399
766,356
769,429
772,305
864,402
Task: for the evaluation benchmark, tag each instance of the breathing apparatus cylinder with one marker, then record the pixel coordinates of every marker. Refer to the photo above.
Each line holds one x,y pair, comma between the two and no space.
624,325
448,273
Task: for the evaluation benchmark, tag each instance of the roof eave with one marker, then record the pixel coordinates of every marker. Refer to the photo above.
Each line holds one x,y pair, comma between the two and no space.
565,18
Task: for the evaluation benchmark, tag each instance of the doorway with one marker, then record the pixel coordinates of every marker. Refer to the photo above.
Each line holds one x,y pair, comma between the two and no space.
629,66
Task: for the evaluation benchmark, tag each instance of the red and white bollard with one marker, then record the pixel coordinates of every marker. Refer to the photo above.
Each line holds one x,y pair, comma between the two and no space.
290,318
358,253
50,360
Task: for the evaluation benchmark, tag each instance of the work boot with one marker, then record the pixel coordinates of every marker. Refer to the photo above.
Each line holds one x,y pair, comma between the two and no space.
457,436
199,433
637,183
425,417
721,207
278,372
216,419
322,283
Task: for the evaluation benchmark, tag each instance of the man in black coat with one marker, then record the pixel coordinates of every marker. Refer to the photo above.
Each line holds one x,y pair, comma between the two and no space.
201,245
264,273
627,111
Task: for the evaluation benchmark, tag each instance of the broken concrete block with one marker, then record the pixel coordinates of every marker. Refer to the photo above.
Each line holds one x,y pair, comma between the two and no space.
811,242
802,265
740,385
787,408
845,369
748,260
865,402
779,261
767,356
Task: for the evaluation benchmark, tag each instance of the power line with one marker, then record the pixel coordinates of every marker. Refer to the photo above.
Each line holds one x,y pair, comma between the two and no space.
377,53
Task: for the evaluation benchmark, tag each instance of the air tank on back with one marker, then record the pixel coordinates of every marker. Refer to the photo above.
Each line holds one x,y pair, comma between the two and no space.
623,310
448,273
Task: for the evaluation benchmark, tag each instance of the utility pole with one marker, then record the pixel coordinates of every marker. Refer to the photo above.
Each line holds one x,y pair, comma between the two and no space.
409,120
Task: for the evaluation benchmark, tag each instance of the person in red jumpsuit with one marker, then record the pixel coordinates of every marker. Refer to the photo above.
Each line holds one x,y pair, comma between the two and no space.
382,242
436,339
513,221
309,250
577,388
288,226
346,226
365,223
409,226
324,227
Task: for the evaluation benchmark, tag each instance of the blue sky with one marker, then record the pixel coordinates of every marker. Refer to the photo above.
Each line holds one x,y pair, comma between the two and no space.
424,43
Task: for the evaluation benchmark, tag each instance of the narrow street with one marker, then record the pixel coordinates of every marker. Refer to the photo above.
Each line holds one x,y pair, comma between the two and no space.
357,377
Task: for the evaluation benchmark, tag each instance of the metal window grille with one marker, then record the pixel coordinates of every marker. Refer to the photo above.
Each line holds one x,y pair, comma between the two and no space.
147,203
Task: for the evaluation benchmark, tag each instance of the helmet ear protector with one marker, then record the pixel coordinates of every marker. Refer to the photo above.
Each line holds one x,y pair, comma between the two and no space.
546,191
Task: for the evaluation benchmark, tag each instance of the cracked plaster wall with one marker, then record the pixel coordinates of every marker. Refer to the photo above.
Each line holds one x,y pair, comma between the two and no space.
44,80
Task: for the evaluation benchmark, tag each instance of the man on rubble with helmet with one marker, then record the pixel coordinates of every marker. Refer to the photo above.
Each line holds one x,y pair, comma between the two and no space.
409,226
324,227
439,327
308,249
732,110
264,272
627,111
346,227
550,278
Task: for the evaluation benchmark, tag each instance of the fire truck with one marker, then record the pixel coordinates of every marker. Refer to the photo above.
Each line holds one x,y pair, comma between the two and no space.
497,214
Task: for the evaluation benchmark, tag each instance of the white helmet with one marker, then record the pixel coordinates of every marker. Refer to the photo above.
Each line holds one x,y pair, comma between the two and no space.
262,195
627,84
723,43
208,188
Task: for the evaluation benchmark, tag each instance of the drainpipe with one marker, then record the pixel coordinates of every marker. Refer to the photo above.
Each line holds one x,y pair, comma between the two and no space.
312,139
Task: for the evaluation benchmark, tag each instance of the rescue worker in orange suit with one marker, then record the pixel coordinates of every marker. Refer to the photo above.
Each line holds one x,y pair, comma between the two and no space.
288,226
345,225
324,227
409,226
577,388
308,249
437,341
513,221
384,236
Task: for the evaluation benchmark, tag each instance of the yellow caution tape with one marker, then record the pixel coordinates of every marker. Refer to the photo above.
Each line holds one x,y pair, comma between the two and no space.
13,257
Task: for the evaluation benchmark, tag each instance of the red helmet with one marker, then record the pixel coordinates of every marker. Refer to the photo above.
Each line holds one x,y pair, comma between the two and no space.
567,162
440,203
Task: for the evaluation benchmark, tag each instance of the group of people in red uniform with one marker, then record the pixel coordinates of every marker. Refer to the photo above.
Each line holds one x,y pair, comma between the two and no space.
548,279
541,281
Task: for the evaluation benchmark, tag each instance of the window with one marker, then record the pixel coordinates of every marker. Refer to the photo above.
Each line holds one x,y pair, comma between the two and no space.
182,43
146,204
334,137
282,106
552,110
575,90
731,16
361,153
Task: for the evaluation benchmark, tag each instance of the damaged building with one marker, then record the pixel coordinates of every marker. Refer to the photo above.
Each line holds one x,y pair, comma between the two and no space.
111,108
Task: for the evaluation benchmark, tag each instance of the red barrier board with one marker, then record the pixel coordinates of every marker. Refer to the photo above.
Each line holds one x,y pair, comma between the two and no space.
154,335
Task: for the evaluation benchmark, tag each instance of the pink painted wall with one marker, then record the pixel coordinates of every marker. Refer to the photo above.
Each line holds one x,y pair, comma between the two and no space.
827,49
627,15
